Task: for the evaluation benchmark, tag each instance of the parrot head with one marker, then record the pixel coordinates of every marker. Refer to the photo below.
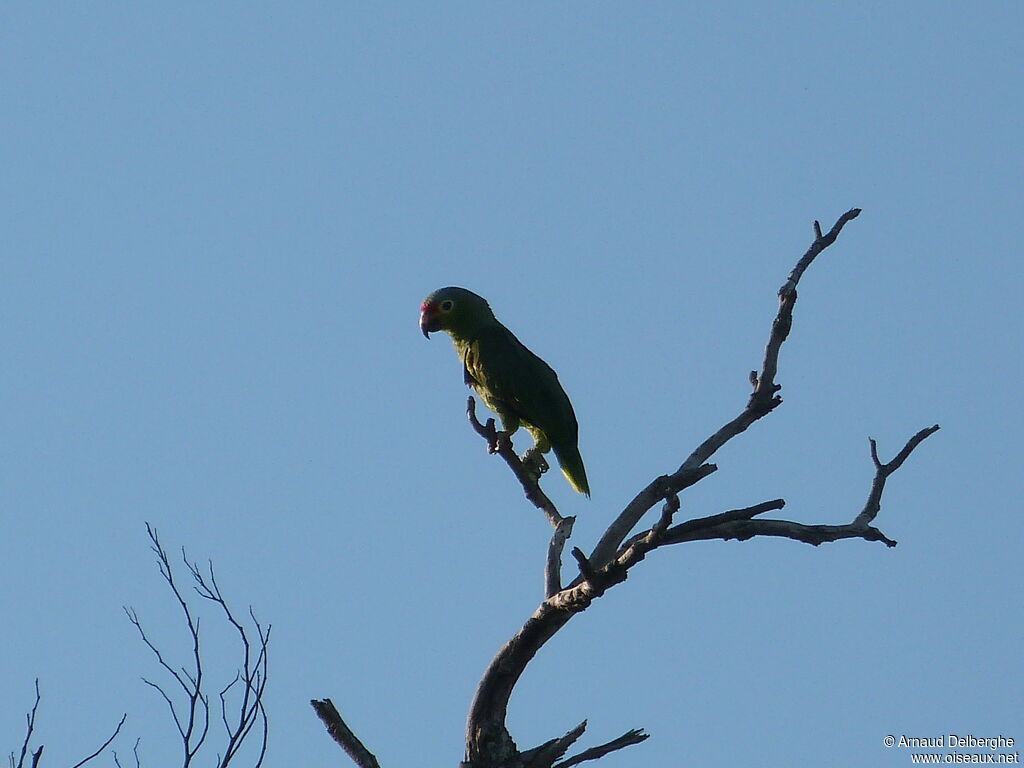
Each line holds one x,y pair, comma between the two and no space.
455,310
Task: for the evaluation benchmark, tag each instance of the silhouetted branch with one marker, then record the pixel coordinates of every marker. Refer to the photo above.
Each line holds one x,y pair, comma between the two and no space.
193,721
763,400
488,742
882,471
501,443
38,754
342,734
547,753
104,745
553,567
253,674
135,754
30,722
627,739
731,525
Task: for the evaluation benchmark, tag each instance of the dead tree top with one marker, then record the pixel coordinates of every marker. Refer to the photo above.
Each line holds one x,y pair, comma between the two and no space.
488,741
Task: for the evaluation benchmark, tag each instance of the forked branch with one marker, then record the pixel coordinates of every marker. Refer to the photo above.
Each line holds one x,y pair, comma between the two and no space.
763,400
628,739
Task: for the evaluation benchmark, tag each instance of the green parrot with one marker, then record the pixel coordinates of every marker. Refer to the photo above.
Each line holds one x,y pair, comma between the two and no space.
514,383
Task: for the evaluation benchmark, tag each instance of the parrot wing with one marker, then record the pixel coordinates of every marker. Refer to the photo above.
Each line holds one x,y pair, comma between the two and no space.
503,369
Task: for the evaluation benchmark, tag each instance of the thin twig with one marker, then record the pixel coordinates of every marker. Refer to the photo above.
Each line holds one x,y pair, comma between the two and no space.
252,675
135,752
193,723
882,471
30,722
104,745
38,754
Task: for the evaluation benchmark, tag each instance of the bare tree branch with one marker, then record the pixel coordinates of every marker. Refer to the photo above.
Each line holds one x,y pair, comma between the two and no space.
553,567
342,734
30,723
193,723
192,719
763,400
253,674
547,753
501,443
703,523
488,712
882,472
488,742
38,754
627,739
194,726
729,525
104,745
135,753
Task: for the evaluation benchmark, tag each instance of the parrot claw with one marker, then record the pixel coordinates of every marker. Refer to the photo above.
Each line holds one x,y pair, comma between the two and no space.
535,463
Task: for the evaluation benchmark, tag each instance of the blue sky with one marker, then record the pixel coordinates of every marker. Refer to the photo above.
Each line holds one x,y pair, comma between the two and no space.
218,225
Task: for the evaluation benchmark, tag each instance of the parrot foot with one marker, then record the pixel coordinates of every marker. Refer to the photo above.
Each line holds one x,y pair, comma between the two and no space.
535,463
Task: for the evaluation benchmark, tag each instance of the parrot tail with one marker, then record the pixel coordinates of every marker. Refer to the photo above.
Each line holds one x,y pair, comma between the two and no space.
572,467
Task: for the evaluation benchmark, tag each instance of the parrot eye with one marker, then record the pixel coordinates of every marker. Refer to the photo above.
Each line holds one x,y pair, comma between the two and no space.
446,305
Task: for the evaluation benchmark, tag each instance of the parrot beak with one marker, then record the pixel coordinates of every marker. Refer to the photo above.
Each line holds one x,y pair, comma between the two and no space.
429,320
